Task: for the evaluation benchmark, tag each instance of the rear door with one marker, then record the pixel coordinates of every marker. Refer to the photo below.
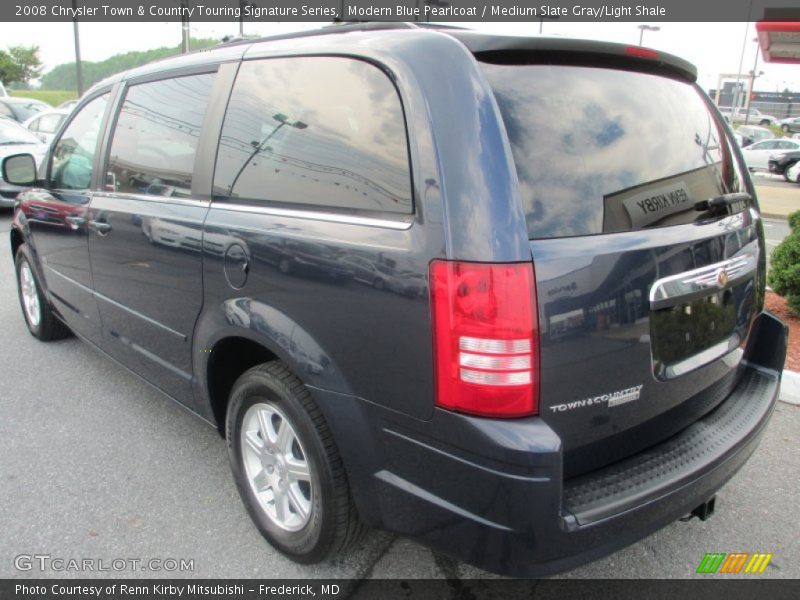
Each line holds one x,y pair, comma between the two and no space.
645,299
145,230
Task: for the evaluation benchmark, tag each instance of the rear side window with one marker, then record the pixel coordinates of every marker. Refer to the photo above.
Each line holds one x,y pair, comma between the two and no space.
600,150
155,138
315,131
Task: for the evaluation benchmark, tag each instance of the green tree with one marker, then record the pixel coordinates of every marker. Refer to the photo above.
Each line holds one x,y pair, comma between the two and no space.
20,64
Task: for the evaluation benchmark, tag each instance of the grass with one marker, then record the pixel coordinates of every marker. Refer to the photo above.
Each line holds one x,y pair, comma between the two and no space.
52,97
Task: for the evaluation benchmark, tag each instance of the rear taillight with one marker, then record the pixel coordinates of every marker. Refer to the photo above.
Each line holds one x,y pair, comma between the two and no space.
485,338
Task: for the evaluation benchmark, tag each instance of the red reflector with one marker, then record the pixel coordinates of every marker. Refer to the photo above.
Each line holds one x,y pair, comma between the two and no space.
485,338
640,52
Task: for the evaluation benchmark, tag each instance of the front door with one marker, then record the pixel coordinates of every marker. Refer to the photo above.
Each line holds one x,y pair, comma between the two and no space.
146,230
57,218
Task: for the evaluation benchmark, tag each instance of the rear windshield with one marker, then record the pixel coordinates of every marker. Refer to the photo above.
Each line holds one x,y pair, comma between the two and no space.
600,150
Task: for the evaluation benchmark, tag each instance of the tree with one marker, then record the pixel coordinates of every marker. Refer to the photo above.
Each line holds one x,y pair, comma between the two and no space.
20,64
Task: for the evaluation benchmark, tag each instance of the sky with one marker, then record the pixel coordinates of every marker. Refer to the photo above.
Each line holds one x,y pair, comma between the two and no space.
713,47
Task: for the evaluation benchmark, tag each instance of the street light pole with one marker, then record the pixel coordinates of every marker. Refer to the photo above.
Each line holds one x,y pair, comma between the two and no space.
643,28
753,76
282,120
184,26
78,66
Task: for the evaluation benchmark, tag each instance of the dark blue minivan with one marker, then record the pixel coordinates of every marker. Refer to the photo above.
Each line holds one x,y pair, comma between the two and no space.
502,295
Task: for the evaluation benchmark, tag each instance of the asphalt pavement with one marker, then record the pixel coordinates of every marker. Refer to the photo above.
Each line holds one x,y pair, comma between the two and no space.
96,464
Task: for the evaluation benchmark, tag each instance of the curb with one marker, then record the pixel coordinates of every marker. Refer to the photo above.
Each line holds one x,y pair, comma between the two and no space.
766,215
790,388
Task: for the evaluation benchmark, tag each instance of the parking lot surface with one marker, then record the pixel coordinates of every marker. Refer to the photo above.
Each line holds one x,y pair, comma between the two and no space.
96,464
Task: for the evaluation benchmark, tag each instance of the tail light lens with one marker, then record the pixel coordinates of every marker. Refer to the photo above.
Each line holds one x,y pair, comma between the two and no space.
485,338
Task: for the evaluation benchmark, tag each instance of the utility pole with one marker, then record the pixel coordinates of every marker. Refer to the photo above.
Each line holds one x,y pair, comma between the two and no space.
184,26
78,66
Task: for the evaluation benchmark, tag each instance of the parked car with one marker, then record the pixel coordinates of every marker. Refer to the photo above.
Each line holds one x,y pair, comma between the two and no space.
791,125
68,105
781,162
21,109
756,117
45,124
754,133
14,138
584,358
757,155
793,172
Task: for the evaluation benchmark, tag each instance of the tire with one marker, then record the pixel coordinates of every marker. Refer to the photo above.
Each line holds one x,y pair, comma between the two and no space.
36,310
263,401
785,128
764,123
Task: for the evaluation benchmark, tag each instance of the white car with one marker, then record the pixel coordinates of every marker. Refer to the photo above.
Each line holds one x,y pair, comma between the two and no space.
756,116
756,155
791,125
793,173
45,124
15,139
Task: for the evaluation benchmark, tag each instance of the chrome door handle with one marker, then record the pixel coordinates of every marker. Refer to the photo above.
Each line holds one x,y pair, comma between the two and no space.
101,227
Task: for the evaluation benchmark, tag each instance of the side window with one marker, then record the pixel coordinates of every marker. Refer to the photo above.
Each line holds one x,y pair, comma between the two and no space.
6,111
74,153
155,138
34,125
49,123
317,131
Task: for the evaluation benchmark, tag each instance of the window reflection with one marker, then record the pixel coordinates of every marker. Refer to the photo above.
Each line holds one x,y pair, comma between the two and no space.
601,150
315,130
74,152
156,136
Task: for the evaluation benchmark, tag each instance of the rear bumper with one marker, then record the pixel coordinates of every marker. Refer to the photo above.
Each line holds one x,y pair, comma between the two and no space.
491,493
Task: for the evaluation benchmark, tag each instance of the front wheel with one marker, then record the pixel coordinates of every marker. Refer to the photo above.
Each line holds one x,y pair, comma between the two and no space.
39,316
764,123
785,128
287,467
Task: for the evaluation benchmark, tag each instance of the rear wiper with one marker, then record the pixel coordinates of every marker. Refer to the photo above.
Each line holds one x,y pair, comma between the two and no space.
723,201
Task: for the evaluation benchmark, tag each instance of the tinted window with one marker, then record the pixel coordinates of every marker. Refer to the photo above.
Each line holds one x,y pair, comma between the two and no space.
155,138
317,131
600,150
6,111
73,154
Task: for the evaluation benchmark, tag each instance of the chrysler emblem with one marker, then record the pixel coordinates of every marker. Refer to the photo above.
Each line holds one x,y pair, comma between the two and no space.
722,278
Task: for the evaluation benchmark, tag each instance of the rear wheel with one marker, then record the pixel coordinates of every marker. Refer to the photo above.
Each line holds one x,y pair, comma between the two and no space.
287,467
764,123
785,128
39,316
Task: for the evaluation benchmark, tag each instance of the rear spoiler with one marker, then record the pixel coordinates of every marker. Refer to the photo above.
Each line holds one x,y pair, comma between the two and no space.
543,50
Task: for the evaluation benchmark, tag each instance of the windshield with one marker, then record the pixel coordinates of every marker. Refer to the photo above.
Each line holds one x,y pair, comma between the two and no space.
25,110
601,150
12,134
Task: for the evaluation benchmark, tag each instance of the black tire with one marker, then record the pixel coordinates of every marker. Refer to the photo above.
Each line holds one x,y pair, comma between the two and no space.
764,123
333,524
49,327
785,128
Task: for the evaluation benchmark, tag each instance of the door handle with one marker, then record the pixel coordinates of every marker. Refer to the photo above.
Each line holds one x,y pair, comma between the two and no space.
101,227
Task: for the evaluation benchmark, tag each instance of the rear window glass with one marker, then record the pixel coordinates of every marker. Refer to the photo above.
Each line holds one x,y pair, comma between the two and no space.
601,150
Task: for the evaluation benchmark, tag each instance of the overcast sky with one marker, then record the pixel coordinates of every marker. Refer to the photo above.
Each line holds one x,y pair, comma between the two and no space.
714,47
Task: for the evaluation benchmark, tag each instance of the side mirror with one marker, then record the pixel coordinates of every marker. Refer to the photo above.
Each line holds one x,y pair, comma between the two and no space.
19,169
